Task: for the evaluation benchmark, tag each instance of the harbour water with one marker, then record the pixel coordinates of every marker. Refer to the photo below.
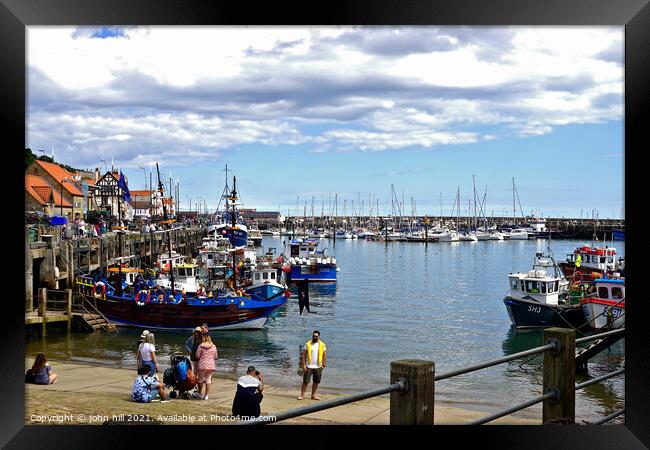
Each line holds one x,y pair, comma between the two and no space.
441,302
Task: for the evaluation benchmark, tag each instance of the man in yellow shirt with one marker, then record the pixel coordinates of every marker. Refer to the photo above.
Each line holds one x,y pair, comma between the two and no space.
314,359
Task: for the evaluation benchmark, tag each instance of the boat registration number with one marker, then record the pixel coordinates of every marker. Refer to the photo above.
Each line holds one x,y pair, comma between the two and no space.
535,309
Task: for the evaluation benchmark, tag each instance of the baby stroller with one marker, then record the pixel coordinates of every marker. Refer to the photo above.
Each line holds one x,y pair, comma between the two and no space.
180,377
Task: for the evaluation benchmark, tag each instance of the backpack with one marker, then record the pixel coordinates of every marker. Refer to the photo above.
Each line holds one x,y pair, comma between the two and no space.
30,376
181,370
168,377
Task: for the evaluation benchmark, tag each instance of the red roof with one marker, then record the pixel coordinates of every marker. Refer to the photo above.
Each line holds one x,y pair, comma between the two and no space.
141,193
59,173
42,192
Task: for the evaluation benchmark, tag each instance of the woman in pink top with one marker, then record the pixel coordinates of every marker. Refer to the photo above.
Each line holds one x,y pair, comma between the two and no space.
206,355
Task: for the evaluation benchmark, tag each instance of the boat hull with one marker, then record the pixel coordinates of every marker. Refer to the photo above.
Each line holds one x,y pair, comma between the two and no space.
186,317
313,272
265,291
601,313
532,314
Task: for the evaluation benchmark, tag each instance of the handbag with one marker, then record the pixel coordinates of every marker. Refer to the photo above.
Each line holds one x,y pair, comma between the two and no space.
30,376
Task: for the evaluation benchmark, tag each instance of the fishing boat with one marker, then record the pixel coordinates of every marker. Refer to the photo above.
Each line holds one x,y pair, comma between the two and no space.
227,223
588,261
606,307
539,299
266,284
143,309
307,263
618,235
185,279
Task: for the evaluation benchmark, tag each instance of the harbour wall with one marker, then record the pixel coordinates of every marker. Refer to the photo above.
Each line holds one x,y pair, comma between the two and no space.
52,262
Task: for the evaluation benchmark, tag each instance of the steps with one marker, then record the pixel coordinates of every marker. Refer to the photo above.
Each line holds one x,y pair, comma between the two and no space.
597,346
97,322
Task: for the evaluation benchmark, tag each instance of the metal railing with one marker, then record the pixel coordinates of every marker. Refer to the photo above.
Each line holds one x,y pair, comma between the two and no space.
400,385
558,387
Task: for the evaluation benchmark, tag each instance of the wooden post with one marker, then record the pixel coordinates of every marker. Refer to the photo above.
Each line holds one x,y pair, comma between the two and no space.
559,374
69,296
414,407
29,276
42,309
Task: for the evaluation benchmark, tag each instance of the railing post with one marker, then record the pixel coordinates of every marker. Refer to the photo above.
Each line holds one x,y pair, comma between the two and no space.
415,406
69,295
559,374
42,309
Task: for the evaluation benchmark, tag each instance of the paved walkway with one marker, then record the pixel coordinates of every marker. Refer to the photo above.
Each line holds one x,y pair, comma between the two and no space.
91,395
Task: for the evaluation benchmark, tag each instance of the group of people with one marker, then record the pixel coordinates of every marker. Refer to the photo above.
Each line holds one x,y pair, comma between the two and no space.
203,355
147,387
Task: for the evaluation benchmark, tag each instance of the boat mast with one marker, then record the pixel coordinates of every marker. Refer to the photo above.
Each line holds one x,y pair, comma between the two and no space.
161,189
233,201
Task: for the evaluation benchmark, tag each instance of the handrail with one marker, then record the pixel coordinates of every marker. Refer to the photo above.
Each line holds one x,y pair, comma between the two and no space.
599,379
494,362
84,301
553,394
613,415
399,385
598,336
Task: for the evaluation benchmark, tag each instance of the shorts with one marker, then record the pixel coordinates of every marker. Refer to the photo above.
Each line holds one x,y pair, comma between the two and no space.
205,376
317,375
152,367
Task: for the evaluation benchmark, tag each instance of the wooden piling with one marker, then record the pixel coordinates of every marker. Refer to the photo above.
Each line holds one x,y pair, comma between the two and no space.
559,374
42,309
69,308
29,276
415,406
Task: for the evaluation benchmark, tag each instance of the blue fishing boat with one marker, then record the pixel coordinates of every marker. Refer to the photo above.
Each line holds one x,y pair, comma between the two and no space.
307,263
618,235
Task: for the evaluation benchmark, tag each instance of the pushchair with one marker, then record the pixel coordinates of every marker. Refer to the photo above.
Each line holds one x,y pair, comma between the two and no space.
180,377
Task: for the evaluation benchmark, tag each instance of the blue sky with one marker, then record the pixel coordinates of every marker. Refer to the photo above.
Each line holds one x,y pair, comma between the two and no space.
302,112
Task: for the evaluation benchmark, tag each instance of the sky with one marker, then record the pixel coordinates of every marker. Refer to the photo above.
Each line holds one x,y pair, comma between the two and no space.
325,113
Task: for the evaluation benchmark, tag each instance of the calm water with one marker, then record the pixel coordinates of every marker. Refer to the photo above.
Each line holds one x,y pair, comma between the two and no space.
442,303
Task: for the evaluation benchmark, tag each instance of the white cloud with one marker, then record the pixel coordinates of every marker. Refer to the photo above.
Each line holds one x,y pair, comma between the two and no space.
204,90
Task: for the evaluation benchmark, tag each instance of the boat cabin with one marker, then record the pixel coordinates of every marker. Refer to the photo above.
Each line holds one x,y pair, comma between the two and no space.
303,248
610,289
601,259
264,276
185,271
128,273
175,258
537,284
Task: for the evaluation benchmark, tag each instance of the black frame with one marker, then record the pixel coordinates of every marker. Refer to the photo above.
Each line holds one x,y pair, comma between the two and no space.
633,14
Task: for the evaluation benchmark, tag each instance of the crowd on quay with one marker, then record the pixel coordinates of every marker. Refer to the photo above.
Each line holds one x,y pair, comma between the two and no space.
79,228
195,378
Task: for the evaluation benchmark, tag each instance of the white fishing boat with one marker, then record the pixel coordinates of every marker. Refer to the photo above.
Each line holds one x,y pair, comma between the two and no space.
537,298
605,308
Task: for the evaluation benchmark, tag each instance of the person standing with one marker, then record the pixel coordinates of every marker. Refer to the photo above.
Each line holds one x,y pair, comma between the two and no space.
206,354
249,394
313,361
192,344
147,351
